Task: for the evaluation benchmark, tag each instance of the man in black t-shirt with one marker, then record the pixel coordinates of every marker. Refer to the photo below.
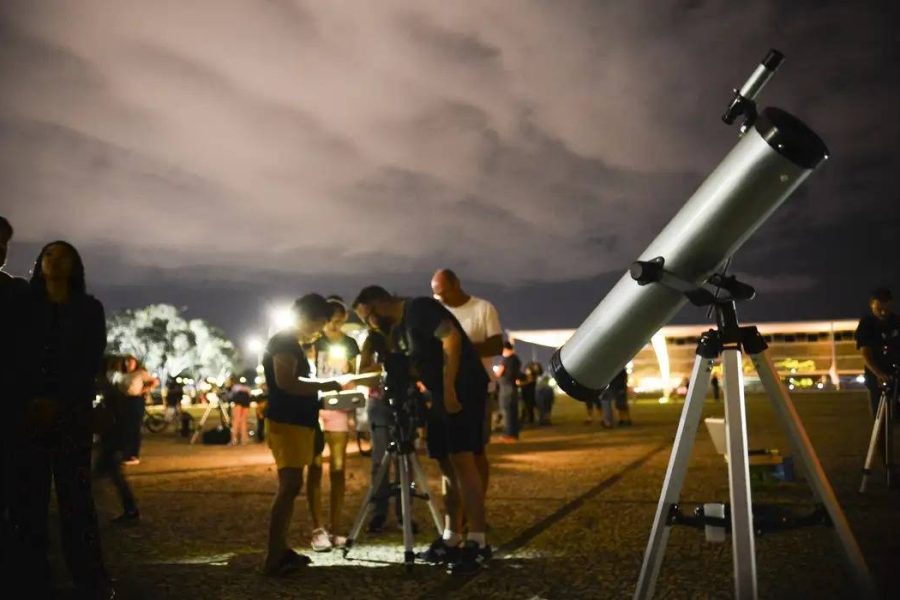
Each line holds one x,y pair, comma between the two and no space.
878,337
292,415
445,361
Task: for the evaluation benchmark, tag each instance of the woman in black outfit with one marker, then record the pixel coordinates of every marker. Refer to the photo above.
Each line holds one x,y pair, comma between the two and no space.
63,339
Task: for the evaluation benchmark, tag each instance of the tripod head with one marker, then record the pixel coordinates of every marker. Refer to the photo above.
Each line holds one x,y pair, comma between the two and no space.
401,396
653,271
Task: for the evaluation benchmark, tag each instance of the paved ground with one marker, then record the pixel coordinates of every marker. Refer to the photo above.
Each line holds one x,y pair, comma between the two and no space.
570,509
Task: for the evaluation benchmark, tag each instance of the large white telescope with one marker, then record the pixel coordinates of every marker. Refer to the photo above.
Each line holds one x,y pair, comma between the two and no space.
776,153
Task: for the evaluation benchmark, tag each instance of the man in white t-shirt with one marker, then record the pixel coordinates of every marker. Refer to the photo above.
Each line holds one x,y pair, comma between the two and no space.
481,322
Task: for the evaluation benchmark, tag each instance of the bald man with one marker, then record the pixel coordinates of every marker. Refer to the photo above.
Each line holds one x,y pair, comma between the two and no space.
481,322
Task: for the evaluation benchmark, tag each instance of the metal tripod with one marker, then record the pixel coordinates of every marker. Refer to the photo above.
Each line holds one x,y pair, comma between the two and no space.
402,453
223,415
728,341
884,417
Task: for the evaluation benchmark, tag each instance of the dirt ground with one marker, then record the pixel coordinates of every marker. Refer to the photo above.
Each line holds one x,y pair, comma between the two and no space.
570,508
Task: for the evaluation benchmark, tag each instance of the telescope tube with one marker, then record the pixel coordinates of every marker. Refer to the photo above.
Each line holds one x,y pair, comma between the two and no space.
769,162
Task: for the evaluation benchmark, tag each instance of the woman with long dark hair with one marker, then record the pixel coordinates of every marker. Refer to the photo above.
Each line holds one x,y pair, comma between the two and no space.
64,336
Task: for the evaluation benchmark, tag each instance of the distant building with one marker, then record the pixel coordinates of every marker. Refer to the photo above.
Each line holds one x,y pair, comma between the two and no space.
809,355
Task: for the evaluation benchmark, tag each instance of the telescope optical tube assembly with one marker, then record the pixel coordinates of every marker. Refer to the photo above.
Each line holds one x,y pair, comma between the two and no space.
770,161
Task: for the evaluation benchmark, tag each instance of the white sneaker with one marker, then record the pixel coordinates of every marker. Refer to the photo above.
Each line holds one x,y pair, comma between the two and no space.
338,541
320,541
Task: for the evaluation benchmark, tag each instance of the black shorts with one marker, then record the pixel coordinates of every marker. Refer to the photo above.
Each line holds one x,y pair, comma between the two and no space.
462,432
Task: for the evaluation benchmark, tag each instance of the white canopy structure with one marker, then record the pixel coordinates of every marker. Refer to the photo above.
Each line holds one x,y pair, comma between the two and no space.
809,350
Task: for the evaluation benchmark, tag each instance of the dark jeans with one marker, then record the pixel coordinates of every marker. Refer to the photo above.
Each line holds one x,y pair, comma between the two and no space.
109,463
528,405
132,422
544,402
68,466
260,429
6,488
607,399
379,419
509,406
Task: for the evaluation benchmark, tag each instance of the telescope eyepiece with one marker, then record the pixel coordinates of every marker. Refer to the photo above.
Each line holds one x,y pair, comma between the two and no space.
744,101
773,59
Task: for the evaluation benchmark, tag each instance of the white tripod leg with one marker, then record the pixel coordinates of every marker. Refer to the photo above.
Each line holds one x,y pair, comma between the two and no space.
199,431
742,535
422,484
226,418
671,490
367,503
873,443
406,508
790,420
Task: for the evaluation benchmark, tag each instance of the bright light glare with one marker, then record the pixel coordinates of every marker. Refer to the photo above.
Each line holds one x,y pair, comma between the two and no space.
337,352
860,379
282,318
254,345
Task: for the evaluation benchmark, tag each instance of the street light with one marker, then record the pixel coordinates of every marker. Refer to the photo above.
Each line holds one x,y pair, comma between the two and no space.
281,318
254,345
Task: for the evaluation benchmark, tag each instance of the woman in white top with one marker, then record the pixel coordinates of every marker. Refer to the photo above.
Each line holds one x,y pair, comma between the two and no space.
335,354
134,384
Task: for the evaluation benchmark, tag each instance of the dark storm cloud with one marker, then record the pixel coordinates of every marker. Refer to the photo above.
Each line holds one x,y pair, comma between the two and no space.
523,143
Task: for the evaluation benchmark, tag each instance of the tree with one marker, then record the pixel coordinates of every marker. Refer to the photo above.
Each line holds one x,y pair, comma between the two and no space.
167,343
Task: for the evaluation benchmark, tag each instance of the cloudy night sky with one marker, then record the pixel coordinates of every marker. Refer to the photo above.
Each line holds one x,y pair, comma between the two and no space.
224,155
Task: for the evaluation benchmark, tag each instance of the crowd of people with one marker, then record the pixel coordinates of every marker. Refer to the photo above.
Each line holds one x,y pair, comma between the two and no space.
451,340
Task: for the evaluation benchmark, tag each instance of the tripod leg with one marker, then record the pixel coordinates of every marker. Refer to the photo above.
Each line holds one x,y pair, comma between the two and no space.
199,431
366,505
888,439
223,412
671,490
406,506
422,483
742,540
790,420
873,443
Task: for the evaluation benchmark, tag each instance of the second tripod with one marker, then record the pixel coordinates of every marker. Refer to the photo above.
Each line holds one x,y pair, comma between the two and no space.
400,395
413,484
882,430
